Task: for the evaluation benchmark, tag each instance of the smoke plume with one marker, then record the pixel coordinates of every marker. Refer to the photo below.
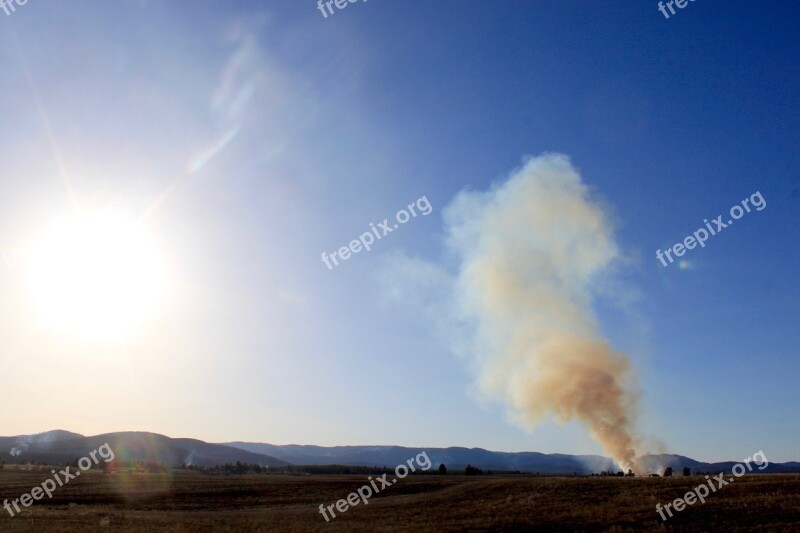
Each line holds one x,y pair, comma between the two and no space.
531,252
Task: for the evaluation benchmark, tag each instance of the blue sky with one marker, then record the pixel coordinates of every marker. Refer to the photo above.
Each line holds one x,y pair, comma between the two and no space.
256,135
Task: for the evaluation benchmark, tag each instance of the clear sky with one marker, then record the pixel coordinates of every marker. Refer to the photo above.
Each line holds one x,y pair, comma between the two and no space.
245,138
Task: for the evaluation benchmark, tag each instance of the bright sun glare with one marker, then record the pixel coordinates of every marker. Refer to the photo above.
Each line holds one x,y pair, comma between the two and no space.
95,275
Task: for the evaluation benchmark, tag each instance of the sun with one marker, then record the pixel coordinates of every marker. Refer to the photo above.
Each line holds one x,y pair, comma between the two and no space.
95,275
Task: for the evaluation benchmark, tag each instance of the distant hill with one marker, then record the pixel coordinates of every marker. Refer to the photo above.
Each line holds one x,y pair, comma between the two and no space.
56,447
457,458
59,447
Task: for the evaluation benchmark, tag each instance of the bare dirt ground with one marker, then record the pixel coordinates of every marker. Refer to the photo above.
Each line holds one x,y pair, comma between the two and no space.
190,501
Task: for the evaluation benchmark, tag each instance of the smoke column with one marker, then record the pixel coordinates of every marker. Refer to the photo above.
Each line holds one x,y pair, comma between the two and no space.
530,253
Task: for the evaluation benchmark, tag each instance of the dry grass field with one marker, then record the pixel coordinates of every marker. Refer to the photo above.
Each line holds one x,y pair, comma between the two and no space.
189,501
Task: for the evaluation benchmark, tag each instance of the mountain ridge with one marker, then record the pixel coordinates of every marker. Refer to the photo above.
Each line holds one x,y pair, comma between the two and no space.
60,446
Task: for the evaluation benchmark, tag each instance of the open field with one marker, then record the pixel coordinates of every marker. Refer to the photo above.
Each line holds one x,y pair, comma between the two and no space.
189,501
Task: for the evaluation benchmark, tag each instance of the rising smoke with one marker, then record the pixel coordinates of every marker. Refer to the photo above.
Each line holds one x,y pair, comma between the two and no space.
531,252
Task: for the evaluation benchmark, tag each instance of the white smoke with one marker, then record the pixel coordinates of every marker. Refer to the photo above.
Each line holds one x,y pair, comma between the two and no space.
530,254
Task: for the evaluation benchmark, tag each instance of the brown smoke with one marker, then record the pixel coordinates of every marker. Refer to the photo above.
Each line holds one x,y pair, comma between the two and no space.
532,251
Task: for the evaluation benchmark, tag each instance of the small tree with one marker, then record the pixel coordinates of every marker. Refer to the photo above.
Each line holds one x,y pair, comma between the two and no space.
668,472
442,470
472,471
687,471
